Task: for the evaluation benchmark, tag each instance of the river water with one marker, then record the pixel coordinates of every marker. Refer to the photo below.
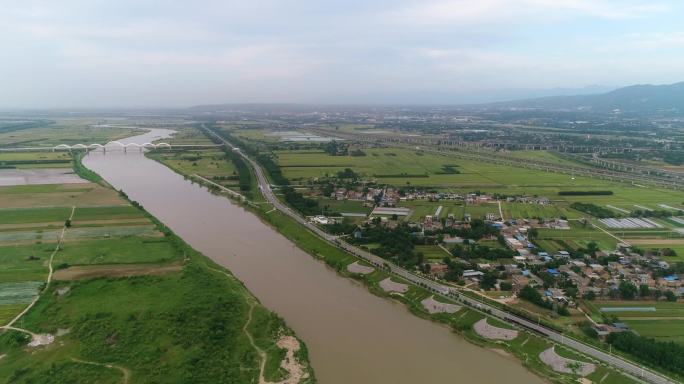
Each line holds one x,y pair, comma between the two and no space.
352,335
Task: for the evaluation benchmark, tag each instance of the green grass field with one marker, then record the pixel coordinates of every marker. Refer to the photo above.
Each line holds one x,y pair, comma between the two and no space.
65,131
343,206
432,252
34,215
666,323
24,262
106,213
576,237
206,163
157,328
303,165
547,211
124,250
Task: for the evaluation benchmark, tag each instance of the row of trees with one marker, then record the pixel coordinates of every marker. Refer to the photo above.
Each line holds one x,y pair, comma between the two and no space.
243,172
666,354
476,251
593,209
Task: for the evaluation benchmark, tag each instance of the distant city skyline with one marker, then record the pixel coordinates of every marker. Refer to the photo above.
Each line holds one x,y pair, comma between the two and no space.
98,54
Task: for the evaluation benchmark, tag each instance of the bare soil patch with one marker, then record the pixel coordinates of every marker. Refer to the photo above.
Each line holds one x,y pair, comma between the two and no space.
390,286
121,270
491,332
294,368
434,306
561,364
355,267
36,176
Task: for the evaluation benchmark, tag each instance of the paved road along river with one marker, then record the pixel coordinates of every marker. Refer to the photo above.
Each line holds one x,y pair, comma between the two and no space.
352,336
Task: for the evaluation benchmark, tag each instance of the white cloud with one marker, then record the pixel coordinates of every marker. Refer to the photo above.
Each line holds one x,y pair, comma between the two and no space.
151,52
487,12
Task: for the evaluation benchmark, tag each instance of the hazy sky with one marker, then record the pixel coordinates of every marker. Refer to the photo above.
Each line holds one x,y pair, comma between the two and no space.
90,53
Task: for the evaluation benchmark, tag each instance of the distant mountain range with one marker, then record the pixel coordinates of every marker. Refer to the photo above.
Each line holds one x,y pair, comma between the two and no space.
635,98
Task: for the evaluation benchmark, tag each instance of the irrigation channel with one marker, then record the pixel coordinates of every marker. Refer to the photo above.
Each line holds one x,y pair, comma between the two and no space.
352,335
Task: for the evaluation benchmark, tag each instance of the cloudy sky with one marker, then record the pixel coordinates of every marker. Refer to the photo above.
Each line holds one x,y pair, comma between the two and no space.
123,53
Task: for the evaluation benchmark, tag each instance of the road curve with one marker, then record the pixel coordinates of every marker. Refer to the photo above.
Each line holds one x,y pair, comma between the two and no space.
632,369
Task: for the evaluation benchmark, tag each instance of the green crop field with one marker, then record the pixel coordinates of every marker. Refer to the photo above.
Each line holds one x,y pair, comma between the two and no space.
545,156
576,237
58,195
431,252
343,206
34,215
65,131
547,211
425,169
106,213
19,292
206,163
480,211
33,156
24,262
9,311
663,329
130,249
187,135
665,323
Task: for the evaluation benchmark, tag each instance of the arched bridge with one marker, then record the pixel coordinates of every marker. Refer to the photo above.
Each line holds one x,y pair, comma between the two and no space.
113,145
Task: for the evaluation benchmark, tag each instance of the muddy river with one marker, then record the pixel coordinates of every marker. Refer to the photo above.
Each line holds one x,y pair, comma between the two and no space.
352,335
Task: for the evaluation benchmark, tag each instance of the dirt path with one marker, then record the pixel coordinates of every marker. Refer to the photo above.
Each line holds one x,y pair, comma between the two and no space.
608,233
260,352
49,278
295,370
124,371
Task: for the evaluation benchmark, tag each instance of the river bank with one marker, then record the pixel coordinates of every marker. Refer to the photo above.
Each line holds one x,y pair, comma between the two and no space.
342,325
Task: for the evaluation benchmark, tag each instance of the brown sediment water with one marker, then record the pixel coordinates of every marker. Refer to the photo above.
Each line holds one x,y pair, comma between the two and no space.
352,336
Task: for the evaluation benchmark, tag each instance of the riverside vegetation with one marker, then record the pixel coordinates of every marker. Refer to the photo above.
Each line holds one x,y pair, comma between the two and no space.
129,301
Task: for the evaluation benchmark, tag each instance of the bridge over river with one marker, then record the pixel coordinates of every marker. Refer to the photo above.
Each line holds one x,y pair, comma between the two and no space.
112,145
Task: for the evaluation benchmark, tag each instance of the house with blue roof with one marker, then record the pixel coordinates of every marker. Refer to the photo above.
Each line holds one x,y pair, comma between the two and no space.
553,271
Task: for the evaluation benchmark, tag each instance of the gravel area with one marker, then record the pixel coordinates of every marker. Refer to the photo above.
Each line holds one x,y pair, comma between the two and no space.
434,306
491,332
390,286
563,365
355,267
39,340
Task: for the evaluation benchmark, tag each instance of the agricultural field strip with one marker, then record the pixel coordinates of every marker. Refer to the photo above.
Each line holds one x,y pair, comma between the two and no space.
475,155
47,282
80,233
617,209
514,181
